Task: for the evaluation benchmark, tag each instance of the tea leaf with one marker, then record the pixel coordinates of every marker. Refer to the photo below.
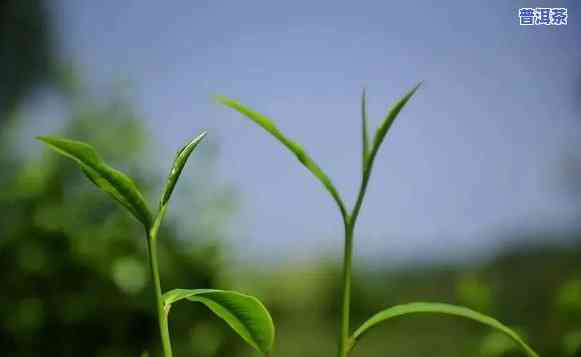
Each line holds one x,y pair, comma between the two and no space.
245,314
364,131
299,152
438,308
180,161
384,127
108,179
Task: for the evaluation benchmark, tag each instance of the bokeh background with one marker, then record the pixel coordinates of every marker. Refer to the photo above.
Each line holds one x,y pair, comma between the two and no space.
475,197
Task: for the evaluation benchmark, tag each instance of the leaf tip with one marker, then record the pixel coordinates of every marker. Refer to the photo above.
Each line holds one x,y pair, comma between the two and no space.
222,99
193,142
412,92
417,86
42,138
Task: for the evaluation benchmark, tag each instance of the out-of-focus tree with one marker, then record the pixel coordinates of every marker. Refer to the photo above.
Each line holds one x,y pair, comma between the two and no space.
27,52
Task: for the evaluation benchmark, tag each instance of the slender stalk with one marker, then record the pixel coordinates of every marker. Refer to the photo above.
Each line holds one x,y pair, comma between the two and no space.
346,291
350,221
361,195
153,263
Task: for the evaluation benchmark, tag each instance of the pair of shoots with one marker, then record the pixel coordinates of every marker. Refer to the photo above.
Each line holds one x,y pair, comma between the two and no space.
245,314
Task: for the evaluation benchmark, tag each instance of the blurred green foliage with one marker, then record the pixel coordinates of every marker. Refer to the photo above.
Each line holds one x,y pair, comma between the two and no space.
72,264
531,288
27,51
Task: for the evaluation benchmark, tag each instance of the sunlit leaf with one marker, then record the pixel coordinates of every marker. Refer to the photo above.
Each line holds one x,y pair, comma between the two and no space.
438,308
245,314
299,152
382,130
180,161
108,179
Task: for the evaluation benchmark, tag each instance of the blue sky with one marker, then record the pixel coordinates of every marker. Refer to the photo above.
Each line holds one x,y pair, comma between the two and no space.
476,154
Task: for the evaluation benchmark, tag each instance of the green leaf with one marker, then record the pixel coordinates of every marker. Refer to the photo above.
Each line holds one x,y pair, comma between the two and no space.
438,308
245,314
384,127
180,161
364,131
108,179
297,149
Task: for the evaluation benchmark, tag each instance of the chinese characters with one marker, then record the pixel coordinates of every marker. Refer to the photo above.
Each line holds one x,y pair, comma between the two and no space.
543,16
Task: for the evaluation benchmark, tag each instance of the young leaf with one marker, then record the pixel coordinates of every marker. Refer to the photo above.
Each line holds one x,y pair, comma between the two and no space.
364,132
245,314
384,127
180,161
108,179
438,308
295,148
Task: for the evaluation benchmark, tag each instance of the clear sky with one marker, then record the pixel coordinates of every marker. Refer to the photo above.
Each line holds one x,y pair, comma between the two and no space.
476,154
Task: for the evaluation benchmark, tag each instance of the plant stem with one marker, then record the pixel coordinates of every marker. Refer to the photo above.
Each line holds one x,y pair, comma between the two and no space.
346,291
153,263
350,221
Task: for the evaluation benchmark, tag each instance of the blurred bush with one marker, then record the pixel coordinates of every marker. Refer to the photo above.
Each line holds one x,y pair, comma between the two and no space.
28,51
72,263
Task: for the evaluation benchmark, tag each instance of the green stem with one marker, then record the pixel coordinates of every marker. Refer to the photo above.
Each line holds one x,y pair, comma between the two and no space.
346,291
350,221
154,265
